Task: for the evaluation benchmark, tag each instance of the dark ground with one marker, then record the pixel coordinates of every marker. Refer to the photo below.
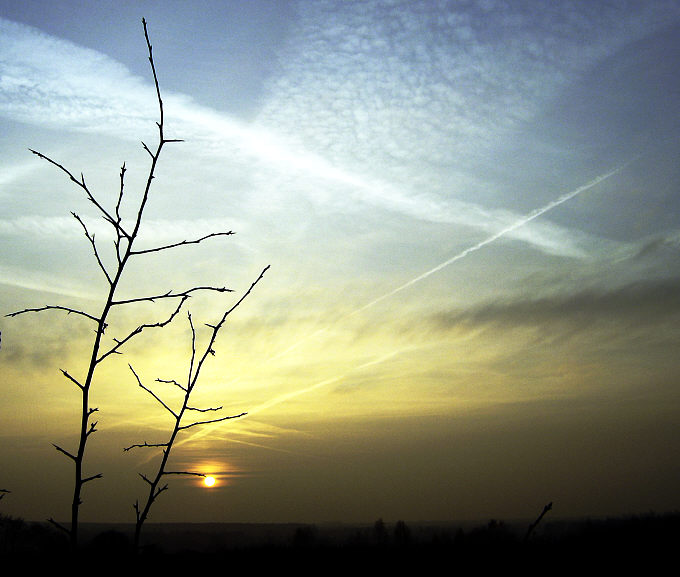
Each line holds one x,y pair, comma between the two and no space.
643,542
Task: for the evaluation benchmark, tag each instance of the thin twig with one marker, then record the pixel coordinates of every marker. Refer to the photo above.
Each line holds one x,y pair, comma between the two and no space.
65,452
57,307
92,478
70,378
184,473
204,410
171,295
171,382
81,184
90,237
144,444
176,244
154,395
183,427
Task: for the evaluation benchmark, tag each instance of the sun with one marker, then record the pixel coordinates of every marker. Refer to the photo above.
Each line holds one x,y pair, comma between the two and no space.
209,481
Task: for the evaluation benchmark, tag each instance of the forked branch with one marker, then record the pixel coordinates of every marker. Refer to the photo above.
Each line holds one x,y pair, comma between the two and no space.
178,427
81,183
139,329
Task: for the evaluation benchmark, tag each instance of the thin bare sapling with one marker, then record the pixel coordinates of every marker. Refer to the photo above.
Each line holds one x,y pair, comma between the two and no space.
196,363
126,231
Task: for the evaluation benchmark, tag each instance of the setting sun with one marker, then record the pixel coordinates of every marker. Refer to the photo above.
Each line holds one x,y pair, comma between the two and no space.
209,481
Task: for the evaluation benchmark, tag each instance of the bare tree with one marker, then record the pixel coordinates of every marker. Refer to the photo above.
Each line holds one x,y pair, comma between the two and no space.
195,366
126,234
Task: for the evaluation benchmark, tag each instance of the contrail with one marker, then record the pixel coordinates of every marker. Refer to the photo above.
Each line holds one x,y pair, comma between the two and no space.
286,396
534,214
204,431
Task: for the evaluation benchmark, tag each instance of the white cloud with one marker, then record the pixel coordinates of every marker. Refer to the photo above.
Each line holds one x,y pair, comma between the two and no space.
393,101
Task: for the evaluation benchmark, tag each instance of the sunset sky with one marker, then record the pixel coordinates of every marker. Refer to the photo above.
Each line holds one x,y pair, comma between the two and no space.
471,210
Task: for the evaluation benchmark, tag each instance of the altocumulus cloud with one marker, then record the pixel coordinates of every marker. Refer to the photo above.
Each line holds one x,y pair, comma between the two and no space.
51,82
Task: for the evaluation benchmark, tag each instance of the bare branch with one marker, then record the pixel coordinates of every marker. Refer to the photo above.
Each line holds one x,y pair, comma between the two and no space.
57,307
152,393
203,410
65,452
90,237
250,289
144,444
183,427
81,184
171,382
216,328
184,473
120,193
149,151
190,380
171,295
140,328
163,140
92,478
70,378
157,249
163,488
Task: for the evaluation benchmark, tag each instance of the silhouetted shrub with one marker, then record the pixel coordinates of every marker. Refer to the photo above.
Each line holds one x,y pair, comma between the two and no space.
20,537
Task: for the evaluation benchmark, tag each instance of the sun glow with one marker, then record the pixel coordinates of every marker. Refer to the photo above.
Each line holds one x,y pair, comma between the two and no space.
209,481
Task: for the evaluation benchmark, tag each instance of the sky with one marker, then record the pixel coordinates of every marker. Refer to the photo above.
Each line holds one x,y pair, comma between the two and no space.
471,213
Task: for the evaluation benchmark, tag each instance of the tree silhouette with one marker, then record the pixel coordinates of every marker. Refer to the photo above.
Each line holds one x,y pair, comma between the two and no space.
126,234
195,366
402,534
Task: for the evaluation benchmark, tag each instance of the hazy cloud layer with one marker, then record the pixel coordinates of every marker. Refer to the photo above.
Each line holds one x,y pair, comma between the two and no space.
638,304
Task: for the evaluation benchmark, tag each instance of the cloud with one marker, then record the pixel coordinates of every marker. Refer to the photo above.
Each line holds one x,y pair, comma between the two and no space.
51,226
639,304
51,82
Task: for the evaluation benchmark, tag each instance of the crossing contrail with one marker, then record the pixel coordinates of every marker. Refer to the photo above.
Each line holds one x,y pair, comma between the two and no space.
534,214
522,221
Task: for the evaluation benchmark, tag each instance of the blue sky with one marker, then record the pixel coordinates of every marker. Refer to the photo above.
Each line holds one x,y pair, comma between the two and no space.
389,160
